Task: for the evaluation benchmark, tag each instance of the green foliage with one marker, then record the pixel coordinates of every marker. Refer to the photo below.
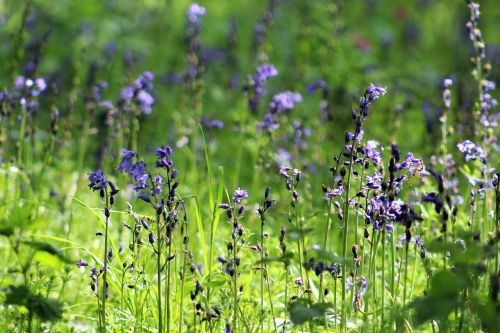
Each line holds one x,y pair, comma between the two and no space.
442,298
301,311
46,309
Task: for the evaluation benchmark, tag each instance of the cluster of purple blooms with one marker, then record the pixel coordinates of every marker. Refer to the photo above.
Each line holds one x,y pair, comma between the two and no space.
99,182
139,93
472,151
24,92
319,267
385,208
255,85
195,11
234,211
447,83
148,186
280,104
475,34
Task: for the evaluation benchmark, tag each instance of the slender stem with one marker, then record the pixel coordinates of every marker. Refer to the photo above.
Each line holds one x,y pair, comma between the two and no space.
271,302
22,137
158,273
344,249
262,275
393,274
325,248
405,283
105,259
382,290
235,282
414,273
167,282
370,268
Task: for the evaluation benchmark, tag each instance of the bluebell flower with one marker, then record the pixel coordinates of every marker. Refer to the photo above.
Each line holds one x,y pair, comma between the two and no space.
97,180
285,101
335,192
164,151
283,171
264,72
139,93
195,11
81,263
472,151
126,162
239,195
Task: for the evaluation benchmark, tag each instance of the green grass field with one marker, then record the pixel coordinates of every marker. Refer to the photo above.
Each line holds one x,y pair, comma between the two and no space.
249,166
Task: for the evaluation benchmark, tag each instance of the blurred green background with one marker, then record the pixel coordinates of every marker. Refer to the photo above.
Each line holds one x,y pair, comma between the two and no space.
407,46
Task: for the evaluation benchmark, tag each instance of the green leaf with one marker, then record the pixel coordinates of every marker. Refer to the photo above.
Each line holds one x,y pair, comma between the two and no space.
47,247
323,255
6,231
301,311
443,297
47,309
296,234
18,295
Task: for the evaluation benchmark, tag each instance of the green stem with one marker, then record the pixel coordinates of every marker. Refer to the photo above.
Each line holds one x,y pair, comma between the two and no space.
405,283
105,259
167,282
382,290
262,276
235,282
158,274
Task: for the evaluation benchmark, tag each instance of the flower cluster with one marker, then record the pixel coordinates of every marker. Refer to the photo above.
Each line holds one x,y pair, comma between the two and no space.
472,151
280,103
255,85
234,212
99,182
195,11
25,92
139,93
447,83
475,34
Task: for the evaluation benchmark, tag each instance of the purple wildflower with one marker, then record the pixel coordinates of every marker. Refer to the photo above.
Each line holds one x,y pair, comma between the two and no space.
239,195
81,263
195,11
97,180
285,101
472,151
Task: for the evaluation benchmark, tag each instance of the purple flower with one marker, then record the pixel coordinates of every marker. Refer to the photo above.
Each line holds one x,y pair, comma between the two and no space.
127,94
336,192
319,84
370,151
126,161
239,195
139,93
472,151
145,101
285,101
374,92
283,171
81,263
97,180
264,72
164,151
194,12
